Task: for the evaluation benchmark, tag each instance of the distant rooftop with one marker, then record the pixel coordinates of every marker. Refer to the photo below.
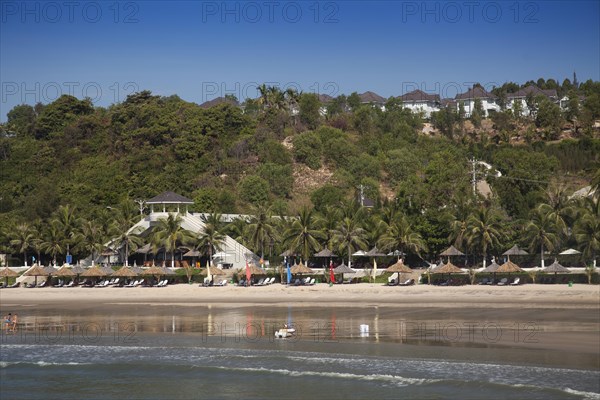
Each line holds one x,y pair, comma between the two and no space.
371,97
475,93
419,95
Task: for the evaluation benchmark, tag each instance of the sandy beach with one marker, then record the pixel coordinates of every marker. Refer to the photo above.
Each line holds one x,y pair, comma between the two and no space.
357,295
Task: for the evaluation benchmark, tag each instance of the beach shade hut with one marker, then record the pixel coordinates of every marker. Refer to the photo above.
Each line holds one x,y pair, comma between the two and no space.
569,252
556,268
35,271
94,272
167,271
137,269
325,253
107,270
78,270
492,268
7,273
50,270
65,271
400,268
252,270
396,253
125,272
509,267
210,272
515,251
451,251
300,269
447,268
343,269
154,270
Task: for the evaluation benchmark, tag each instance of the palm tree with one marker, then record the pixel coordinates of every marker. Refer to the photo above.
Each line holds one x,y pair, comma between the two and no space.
169,233
327,221
125,237
260,229
587,228
210,238
400,236
89,239
54,241
484,230
349,236
68,222
303,234
23,239
462,210
542,230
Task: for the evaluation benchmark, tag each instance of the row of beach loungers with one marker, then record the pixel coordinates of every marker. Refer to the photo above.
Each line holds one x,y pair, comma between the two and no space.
115,282
501,282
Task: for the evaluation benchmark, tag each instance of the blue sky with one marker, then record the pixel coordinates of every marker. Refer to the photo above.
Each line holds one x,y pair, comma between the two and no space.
201,50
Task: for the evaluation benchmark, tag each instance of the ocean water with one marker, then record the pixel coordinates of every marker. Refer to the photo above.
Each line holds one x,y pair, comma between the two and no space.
232,354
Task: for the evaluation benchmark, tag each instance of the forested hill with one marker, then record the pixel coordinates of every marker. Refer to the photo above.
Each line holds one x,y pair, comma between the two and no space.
228,158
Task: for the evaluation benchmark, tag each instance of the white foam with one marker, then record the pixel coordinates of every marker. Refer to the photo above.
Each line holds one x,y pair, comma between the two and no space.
585,395
399,380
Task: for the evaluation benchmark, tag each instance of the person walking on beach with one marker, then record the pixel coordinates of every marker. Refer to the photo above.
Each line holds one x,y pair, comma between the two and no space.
7,321
14,323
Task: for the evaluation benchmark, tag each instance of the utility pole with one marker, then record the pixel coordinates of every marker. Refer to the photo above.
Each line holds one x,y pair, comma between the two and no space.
362,194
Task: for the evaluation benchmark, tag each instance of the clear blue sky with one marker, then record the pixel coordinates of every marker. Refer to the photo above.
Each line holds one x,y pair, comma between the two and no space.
201,50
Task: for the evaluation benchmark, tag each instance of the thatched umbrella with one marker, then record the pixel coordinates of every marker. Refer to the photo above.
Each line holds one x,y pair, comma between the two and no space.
125,272
569,252
343,269
448,268
492,268
94,272
252,270
509,267
213,271
301,269
50,270
451,251
8,273
36,271
400,268
65,271
325,253
514,251
556,268
167,271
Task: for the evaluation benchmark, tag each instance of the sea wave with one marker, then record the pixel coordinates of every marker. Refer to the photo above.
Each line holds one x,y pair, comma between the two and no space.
584,395
6,364
396,379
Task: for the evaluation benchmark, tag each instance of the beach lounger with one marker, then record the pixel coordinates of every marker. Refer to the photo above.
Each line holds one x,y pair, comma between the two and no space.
272,280
221,283
407,282
484,281
70,284
14,285
41,284
391,282
503,282
516,281
242,282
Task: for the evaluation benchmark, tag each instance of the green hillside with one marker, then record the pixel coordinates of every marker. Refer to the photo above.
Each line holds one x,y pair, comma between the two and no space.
231,159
